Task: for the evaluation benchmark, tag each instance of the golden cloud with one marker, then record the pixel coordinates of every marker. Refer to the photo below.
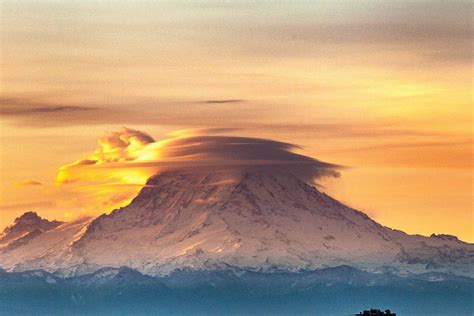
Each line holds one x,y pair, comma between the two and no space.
124,160
28,183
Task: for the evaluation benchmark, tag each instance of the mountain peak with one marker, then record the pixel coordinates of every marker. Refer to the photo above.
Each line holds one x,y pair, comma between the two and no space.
29,216
445,237
29,222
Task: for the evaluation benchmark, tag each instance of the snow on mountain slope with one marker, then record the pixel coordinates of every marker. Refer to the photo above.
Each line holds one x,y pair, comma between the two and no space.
47,250
262,220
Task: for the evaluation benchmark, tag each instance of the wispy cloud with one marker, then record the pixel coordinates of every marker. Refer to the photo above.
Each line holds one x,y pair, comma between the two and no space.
34,112
408,145
31,110
342,130
27,205
428,32
16,106
221,101
28,182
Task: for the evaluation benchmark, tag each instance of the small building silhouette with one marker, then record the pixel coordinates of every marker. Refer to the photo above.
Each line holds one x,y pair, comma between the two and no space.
377,312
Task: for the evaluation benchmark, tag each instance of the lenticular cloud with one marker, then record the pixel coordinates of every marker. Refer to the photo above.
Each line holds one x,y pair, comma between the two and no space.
121,154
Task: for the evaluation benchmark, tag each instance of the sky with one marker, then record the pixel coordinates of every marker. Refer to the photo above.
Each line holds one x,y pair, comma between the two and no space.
380,89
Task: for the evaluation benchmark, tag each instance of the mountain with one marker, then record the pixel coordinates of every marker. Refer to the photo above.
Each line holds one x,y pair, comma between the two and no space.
341,290
262,220
25,228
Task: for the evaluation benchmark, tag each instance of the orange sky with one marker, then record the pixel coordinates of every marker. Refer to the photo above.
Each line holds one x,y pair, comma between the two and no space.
383,88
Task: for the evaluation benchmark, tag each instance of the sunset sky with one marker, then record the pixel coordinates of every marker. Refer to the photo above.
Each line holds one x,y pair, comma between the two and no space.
382,88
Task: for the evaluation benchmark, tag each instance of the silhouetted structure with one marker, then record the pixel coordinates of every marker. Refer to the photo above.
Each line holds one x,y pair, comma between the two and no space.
377,312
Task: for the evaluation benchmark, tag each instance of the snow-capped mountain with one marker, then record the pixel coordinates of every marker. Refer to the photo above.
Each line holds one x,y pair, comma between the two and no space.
25,228
263,220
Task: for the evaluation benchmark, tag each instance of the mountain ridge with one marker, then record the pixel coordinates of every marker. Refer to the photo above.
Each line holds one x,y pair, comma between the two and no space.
336,291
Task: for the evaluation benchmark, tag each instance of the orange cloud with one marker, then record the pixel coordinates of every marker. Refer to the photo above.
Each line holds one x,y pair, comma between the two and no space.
126,159
122,146
28,182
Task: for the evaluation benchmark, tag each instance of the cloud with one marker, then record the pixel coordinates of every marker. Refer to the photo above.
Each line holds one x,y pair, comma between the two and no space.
126,159
36,112
222,101
342,130
121,146
404,31
202,131
33,205
20,107
416,145
129,149
32,110
28,182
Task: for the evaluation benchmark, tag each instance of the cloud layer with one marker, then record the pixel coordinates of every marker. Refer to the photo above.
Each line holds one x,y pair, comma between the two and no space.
132,149
126,159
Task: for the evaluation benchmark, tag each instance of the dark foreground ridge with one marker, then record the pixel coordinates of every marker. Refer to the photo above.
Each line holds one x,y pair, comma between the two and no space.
332,291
